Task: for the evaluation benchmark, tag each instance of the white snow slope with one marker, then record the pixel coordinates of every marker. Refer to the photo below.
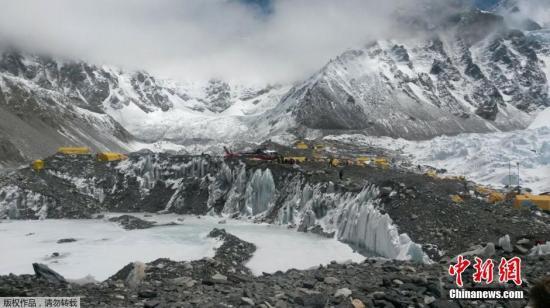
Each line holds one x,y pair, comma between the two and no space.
542,120
484,158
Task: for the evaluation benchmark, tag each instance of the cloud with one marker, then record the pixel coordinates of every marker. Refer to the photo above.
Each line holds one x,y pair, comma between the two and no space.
538,10
201,39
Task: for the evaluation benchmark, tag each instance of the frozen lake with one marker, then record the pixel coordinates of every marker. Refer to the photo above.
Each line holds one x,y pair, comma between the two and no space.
103,247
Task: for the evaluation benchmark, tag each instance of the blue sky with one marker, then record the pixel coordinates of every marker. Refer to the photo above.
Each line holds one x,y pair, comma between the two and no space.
265,5
486,4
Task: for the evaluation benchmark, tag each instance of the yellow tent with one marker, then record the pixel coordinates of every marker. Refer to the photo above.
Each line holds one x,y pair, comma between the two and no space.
495,197
457,199
110,156
362,161
542,201
302,146
382,162
73,150
295,159
38,165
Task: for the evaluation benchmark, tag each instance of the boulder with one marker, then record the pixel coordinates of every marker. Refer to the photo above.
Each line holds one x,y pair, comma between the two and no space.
344,292
44,272
132,274
357,303
331,280
129,222
66,240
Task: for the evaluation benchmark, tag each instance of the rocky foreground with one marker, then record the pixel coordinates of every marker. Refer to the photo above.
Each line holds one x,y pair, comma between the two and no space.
224,281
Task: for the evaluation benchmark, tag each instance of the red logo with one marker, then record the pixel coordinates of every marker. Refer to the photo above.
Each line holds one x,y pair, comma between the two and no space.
508,270
457,270
484,271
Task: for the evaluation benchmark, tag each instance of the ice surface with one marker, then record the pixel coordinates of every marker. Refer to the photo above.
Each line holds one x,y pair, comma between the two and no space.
542,120
102,247
260,193
484,158
541,250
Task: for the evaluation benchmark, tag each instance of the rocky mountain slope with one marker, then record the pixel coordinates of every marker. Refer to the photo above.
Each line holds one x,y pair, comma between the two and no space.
472,73
46,103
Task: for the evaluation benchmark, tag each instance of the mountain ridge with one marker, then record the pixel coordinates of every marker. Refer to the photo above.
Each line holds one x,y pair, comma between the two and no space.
473,74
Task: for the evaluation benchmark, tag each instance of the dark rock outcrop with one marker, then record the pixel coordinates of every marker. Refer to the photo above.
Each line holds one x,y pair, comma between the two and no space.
129,222
44,272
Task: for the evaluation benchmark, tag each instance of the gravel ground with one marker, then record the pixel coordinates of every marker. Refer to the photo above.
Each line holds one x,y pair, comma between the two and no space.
224,281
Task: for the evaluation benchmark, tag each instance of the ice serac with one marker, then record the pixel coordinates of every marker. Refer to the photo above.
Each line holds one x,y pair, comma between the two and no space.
363,226
541,250
14,199
260,192
353,218
235,189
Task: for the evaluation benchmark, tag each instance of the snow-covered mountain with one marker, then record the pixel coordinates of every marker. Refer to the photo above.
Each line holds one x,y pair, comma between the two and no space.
46,103
476,75
472,73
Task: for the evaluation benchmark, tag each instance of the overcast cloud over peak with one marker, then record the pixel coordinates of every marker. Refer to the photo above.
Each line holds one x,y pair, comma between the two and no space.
199,39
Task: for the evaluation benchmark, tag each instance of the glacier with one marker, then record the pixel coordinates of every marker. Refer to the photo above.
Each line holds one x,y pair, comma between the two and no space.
352,217
162,183
483,158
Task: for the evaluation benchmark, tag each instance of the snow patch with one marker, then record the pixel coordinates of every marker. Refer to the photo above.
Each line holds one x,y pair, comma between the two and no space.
484,158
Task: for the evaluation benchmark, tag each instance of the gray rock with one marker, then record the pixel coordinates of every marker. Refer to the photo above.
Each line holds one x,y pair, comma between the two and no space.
151,304
281,304
344,292
184,281
66,240
331,280
428,300
219,277
487,251
309,284
247,301
147,294
43,271
188,266
129,222
520,249
398,282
